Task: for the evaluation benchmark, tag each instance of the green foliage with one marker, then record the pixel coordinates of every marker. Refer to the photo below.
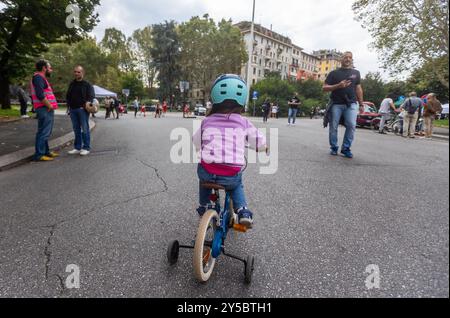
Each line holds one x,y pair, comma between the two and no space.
166,57
310,89
374,88
117,46
275,89
208,50
309,104
98,67
133,82
28,27
408,33
141,43
423,80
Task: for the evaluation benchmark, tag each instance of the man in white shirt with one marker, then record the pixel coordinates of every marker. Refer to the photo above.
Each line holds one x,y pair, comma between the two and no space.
385,107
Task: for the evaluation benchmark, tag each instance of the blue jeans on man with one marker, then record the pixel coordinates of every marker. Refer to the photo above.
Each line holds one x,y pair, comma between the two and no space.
45,127
233,184
80,124
292,114
349,113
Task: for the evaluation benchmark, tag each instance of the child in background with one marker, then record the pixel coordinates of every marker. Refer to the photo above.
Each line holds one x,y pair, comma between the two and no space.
222,153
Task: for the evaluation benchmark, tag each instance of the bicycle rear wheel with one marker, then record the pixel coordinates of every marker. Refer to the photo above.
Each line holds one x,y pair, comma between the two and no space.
203,260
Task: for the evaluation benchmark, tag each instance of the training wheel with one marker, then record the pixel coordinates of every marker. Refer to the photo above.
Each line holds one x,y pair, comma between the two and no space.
249,267
172,252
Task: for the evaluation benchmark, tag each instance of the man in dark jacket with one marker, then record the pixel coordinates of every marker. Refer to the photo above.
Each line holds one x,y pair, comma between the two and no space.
79,93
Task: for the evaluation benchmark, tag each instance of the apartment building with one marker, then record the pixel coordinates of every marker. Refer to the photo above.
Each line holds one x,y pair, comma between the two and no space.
271,52
330,60
309,67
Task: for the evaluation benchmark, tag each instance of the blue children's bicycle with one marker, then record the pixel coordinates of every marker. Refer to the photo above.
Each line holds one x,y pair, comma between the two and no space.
211,235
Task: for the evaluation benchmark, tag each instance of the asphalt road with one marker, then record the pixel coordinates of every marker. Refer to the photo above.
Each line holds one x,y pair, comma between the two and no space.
320,221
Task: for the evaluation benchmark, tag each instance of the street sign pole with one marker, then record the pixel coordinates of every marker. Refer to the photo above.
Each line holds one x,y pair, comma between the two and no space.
254,98
250,55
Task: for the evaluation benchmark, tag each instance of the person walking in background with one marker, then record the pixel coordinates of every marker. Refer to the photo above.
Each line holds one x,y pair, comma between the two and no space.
79,93
208,107
385,111
164,108
158,110
136,106
411,108
293,103
274,110
116,106
108,105
143,110
346,93
432,107
186,110
44,103
23,100
266,109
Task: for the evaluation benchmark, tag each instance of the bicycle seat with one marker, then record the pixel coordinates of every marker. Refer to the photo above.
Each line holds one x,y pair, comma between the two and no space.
212,186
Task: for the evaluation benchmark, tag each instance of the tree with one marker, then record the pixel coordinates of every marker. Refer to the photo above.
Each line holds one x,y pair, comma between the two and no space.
423,81
276,89
166,57
208,50
408,32
132,82
116,45
395,89
26,30
310,89
142,42
374,89
98,66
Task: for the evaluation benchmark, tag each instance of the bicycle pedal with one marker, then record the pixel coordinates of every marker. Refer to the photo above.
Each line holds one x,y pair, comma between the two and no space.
240,228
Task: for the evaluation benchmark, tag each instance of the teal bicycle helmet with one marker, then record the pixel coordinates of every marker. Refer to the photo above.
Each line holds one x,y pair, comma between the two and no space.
229,87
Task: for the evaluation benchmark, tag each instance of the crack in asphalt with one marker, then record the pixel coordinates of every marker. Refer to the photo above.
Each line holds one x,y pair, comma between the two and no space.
166,188
47,252
53,227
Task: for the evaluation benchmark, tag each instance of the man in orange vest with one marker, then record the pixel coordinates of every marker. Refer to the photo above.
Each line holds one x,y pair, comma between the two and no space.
44,103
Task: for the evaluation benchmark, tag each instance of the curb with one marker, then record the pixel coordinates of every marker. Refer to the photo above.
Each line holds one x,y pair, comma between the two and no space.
14,159
441,137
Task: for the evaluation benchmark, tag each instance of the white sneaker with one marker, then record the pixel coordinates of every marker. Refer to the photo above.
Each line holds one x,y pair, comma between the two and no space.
24,116
84,152
74,152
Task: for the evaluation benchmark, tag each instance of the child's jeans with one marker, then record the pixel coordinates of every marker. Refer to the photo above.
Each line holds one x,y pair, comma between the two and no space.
232,184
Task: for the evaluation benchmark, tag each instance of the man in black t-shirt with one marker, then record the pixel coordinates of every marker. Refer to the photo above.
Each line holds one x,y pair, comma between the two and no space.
346,93
79,93
293,103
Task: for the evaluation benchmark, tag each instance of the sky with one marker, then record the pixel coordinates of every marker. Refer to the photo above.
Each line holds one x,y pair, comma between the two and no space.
310,24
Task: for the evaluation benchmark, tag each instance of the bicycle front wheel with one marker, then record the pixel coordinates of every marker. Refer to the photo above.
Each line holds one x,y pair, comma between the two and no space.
203,260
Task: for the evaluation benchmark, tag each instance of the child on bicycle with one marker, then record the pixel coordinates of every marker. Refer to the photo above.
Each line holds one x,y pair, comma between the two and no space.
222,140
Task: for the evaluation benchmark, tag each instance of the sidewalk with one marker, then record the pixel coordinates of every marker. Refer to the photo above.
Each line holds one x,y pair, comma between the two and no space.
17,138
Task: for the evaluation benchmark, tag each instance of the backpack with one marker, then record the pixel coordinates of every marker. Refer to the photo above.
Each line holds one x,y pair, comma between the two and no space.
410,108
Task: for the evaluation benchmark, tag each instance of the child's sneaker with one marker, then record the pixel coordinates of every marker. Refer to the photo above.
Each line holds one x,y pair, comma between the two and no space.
201,210
245,217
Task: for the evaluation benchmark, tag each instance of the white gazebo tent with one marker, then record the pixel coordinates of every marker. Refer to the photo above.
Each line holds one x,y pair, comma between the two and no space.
101,92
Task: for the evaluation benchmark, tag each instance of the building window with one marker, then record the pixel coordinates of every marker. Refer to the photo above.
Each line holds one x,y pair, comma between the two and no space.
254,70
